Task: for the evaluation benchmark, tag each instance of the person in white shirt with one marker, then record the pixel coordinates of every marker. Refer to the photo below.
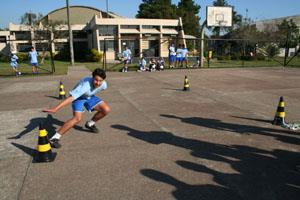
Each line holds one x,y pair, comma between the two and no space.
127,57
172,56
184,54
178,56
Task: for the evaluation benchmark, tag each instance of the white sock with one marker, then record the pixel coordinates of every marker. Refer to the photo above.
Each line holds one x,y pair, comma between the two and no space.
56,136
91,123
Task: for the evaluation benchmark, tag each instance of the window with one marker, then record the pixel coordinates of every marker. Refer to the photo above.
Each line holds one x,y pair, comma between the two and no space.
24,47
110,45
61,34
61,46
79,34
129,26
150,27
107,30
23,35
2,39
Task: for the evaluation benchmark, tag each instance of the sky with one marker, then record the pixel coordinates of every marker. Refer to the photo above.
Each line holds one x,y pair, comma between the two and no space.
12,10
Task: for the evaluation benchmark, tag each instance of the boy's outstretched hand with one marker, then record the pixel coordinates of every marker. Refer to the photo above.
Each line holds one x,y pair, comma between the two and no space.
49,110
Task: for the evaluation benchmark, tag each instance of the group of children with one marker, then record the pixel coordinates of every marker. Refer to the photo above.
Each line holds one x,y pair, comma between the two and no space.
178,56
154,65
33,55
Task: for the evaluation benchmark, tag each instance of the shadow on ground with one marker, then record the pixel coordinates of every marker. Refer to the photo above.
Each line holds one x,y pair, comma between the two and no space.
48,123
259,174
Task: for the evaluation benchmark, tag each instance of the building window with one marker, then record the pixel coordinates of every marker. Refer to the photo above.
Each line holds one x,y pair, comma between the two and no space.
60,46
79,34
133,45
129,27
2,39
110,45
42,47
150,27
22,35
61,34
107,30
24,47
42,35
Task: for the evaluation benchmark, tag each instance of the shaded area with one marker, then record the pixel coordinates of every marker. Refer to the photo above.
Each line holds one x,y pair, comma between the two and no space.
48,124
53,97
254,119
29,151
34,153
258,173
281,135
186,191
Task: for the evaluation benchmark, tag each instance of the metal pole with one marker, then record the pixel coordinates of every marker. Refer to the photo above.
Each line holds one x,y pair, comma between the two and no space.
202,45
70,34
107,7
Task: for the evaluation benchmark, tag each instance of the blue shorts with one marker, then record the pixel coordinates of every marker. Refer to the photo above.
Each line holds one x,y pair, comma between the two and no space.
179,59
14,65
35,64
172,58
79,104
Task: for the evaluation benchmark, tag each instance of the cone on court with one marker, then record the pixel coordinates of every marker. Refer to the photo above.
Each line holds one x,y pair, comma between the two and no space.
44,153
280,114
186,85
62,93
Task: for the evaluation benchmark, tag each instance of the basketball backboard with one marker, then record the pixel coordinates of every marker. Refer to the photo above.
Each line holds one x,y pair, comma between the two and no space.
219,16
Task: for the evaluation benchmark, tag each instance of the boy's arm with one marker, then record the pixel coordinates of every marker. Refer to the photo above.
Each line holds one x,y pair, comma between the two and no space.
65,102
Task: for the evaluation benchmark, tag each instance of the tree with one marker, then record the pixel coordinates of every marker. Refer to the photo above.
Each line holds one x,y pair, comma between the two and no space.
160,9
188,11
29,18
288,30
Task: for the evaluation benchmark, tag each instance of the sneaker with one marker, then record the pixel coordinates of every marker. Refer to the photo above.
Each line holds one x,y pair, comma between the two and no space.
55,143
93,128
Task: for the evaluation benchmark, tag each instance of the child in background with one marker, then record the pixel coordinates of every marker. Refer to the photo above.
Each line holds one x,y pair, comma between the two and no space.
14,63
160,63
142,64
33,55
152,65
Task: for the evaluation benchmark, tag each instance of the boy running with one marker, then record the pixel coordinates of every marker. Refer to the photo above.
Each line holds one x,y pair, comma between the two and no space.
83,96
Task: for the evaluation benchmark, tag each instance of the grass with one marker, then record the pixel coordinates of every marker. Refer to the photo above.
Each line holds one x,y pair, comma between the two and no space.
26,69
61,67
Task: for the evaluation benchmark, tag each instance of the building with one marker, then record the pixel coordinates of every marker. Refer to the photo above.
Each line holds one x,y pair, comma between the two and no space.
271,25
93,28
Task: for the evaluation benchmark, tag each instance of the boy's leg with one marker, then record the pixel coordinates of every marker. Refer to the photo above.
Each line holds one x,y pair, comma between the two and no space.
102,110
77,116
54,140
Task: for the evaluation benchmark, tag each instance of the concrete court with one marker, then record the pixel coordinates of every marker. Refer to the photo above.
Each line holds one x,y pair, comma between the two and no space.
214,142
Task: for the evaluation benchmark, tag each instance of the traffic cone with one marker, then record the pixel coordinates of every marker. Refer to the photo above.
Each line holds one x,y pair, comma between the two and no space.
44,153
280,114
62,93
186,85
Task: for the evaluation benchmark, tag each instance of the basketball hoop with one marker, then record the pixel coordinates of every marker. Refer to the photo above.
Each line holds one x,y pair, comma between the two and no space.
219,16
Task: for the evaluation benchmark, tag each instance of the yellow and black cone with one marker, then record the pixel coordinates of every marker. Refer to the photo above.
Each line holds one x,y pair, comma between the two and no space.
186,85
280,114
62,93
44,153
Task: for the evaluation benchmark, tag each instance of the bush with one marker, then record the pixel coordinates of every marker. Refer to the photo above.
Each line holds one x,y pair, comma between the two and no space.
96,56
4,58
236,56
272,50
227,57
260,56
23,57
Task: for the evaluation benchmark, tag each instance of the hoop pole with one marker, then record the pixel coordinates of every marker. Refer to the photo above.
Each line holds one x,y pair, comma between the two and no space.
202,44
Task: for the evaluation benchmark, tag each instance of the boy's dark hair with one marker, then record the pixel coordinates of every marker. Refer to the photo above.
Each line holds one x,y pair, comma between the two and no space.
99,72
